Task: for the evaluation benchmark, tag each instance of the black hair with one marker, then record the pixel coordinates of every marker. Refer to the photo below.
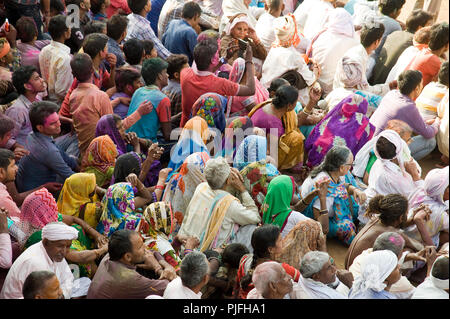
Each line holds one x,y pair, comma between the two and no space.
136,6
5,158
39,111
263,238
418,18
94,43
35,282
94,27
274,4
96,5
190,10
233,253
6,125
443,74
133,50
148,46
204,52
21,76
408,81
439,36
120,243
335,158
116,26
387,7
26,29
440,268
295,79
57,26
371,35
385,148
390,208
151,68
75,2
276,83
82,67
126,76
57,5
175,63
284,96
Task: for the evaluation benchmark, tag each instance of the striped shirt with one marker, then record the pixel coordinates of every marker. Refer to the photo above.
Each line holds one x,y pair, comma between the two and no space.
429,99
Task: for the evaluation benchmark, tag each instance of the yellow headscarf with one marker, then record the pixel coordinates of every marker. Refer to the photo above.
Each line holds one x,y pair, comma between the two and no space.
198,125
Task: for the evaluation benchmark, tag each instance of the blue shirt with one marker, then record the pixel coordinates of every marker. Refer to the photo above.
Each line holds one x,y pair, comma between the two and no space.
153,15
114,48
45,163
180,38
371,294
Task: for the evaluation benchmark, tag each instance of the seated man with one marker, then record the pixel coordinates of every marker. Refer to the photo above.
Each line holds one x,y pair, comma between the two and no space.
215,228
133,50
394,242
435,285
28,84
117,30
128,80
320,279
116,276
46,161
6,131
8,171
271,281
47,254
193,277
181,36
399,104
154,72
42,284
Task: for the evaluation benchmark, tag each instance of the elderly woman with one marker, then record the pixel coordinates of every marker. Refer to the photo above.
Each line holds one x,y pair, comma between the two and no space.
231,8
379,271
271,282
214,215
339,211
283,56
319,278
347,125
433,231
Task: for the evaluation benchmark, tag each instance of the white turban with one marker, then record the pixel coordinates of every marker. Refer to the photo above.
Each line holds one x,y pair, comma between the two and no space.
59,231
375,268
341,22
350,73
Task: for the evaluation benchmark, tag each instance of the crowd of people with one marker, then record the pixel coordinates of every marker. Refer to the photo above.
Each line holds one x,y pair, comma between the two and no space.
209,149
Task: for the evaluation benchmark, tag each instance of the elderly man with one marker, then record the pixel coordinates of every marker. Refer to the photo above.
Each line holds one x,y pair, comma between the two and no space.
271,282
435,285
320,279
47,254
117,278
394,242
194,275
213,213
42,284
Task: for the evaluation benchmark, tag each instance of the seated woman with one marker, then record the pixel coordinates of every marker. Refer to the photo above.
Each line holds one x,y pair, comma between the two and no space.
345,125
211,108
283,56
253,149
387,214
181,186
79,197
99,159
238,30
300,234
339,211
433,230
234,134
193,139
379,271
266,243
241,105
39,209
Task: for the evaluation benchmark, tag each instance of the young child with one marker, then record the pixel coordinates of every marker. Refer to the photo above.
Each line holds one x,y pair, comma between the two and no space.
98,9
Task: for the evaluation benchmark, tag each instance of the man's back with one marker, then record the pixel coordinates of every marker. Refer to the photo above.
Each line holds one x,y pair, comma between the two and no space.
180,38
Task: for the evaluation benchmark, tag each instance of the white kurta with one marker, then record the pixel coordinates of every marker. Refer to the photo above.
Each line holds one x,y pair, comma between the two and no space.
427,290
176,290
317,18
264,30
33,259
403,61
443,133
302,11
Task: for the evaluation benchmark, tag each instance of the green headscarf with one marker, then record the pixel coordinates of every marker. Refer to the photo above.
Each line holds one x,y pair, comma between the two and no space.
277,204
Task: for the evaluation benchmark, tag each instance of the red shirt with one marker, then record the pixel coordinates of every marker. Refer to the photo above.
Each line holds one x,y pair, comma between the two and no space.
194,85
163,110
115,6
427,63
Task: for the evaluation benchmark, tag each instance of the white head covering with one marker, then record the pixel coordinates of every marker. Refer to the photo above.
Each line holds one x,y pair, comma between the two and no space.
341,22
59,231
394,138
349,73
232,7
375,268
439,283
230,26
436,182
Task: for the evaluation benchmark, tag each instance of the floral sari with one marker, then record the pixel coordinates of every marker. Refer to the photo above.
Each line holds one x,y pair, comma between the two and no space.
211,107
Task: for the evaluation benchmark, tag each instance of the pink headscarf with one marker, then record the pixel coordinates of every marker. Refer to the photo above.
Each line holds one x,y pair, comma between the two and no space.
39,208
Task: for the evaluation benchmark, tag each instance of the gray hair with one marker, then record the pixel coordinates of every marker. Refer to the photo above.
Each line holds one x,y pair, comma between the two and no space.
217,171
335,158
389,241
265,273
313,262
194,267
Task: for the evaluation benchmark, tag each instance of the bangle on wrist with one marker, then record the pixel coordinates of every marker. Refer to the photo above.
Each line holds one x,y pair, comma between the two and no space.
304,203
323,212
307,113
248,62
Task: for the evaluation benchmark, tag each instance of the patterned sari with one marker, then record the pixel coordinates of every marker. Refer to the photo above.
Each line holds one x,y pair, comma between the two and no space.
234,134
99,159
211,107
118,210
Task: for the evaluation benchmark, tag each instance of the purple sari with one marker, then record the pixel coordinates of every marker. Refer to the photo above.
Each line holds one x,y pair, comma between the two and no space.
346,124
107,126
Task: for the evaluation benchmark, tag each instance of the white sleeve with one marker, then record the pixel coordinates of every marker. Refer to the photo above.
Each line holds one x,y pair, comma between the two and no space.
245,213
